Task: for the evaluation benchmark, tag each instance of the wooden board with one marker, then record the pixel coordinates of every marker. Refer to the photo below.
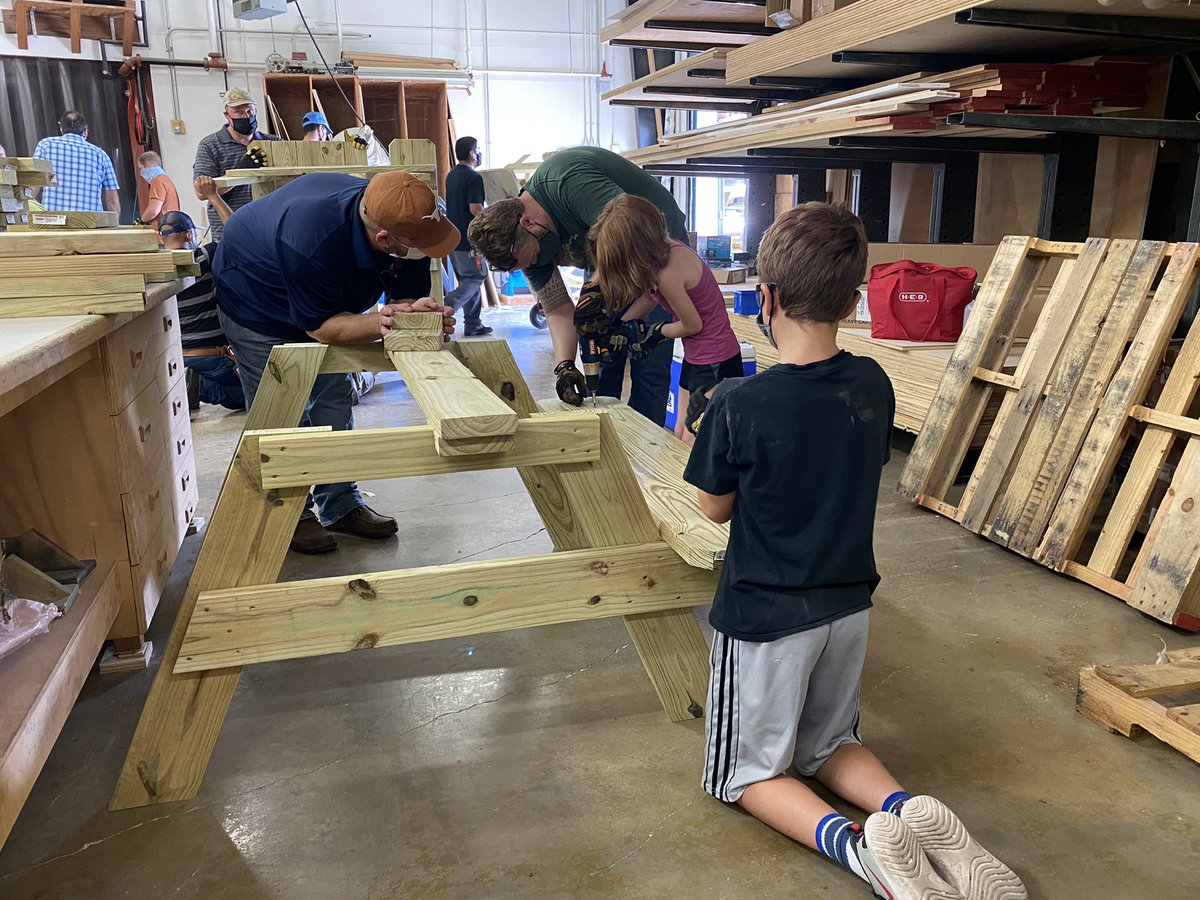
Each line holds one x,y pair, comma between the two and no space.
304,457
69,220
928,27
96,266
1172,718
630,23
71,305
455,403
383,609
658,459
14,244
421,331
50,283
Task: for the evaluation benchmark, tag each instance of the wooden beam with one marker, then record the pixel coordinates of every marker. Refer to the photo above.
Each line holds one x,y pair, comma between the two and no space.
250,176
245,543
361,358
658,459
50,283
293,620
455,403
100,304
302,457
94,266
1165,420
419,331
77,243
285,386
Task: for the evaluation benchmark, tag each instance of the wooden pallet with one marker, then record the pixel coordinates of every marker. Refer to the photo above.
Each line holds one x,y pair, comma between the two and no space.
1161,699
1080,398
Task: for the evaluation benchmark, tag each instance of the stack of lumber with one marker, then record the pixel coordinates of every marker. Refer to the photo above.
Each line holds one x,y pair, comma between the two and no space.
18,178
1108,84
917,104
69,273
1092,463
361,60
308,153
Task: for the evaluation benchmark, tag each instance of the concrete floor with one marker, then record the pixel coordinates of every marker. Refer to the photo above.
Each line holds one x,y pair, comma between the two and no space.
538,763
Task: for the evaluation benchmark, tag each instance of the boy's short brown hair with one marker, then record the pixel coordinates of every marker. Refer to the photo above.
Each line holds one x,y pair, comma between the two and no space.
816,256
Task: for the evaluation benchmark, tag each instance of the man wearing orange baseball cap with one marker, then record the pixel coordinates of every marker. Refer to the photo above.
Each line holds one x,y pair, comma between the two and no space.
309,262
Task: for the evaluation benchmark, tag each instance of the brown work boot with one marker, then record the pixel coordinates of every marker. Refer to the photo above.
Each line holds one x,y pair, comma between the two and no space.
364,522
312,537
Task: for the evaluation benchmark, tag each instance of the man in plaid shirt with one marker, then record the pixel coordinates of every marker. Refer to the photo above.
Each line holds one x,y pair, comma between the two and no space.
86,180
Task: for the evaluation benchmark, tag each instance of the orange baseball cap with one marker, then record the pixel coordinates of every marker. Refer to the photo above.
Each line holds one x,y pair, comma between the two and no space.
403,204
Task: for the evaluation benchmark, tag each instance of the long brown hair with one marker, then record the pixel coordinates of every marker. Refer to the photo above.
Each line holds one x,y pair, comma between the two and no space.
628,246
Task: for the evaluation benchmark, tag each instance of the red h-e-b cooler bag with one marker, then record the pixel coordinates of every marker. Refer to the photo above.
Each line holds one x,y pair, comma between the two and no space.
917,301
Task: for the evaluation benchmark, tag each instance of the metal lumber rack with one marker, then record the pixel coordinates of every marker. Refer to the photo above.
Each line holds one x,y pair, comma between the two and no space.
874,40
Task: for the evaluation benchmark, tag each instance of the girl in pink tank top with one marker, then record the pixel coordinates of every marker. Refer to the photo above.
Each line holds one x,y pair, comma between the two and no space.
637,265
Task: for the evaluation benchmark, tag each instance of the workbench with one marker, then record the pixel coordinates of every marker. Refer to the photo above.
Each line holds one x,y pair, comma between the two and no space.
95,453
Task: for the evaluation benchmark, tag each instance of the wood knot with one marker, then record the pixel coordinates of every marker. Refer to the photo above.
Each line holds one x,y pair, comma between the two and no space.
507,391
362,588
600,567
1189,504
273,368
273,498
470,600
650,582
594,601
367,641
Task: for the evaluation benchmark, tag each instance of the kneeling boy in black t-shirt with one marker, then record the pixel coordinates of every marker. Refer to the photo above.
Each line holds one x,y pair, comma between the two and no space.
793,457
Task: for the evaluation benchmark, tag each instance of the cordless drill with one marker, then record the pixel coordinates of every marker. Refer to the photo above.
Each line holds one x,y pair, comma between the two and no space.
589,358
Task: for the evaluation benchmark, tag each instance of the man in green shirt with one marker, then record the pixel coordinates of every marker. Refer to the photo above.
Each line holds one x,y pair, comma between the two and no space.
547,226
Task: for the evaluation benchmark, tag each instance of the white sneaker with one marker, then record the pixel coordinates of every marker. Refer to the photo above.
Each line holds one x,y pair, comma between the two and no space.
896,867
959,858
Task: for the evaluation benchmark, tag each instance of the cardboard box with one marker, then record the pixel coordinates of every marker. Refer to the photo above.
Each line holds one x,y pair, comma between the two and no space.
715,247
729,274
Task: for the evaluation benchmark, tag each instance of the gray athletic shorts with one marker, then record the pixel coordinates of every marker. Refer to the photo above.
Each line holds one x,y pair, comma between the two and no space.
782,703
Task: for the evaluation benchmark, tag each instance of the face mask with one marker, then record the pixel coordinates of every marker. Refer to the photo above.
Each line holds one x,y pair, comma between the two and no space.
412,253
548,246
153,172
478,158
245,126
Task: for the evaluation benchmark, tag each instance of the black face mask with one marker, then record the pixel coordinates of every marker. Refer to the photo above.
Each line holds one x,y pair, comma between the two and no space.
245,126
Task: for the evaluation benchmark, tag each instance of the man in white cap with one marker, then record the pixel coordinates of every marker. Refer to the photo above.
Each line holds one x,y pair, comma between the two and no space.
225,149
308,262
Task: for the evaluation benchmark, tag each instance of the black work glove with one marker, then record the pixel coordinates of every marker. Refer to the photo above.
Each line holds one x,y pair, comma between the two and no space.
570,383
646,338
697,406
590,315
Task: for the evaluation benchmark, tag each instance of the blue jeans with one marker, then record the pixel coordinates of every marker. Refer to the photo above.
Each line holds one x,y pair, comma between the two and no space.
650,378
218,379
330,403
470,270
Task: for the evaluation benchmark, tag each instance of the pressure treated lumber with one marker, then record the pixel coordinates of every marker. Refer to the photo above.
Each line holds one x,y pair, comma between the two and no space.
415,332
454,402
99,304
76,243
383,609
95,266
52,284
301,457
658,459
245,543
267,173
73,220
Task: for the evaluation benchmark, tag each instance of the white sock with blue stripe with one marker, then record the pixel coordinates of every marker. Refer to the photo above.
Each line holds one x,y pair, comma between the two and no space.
838,838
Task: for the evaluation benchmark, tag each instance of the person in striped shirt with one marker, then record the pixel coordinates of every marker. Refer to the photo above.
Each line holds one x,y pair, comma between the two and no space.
86,180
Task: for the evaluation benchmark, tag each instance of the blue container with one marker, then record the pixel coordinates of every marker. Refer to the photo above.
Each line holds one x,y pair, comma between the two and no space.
516,282
749,367
745,302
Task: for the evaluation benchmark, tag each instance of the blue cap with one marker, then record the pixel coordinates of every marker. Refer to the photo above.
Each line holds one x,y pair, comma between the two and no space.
315,118
175,222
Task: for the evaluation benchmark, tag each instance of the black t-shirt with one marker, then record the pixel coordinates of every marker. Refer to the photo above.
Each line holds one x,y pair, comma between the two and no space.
802,447
464,186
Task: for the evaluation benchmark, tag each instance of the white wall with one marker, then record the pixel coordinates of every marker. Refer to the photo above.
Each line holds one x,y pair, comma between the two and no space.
511,110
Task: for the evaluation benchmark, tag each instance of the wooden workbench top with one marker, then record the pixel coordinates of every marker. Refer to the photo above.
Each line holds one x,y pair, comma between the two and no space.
36,352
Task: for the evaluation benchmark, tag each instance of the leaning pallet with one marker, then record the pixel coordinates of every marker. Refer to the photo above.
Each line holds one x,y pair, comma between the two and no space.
1085,396
1162,699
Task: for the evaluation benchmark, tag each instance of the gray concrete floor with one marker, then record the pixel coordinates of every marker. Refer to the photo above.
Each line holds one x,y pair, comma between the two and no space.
539,764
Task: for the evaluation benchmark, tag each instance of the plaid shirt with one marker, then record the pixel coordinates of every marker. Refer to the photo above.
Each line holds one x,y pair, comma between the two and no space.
216,154
83,170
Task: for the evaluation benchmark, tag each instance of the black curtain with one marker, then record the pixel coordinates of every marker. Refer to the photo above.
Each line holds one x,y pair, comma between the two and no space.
35,92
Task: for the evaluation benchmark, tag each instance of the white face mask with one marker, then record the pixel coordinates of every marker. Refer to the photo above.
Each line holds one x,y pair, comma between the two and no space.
413,253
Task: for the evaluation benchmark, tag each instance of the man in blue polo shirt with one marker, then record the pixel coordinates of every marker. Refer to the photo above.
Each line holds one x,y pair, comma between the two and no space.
309,262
